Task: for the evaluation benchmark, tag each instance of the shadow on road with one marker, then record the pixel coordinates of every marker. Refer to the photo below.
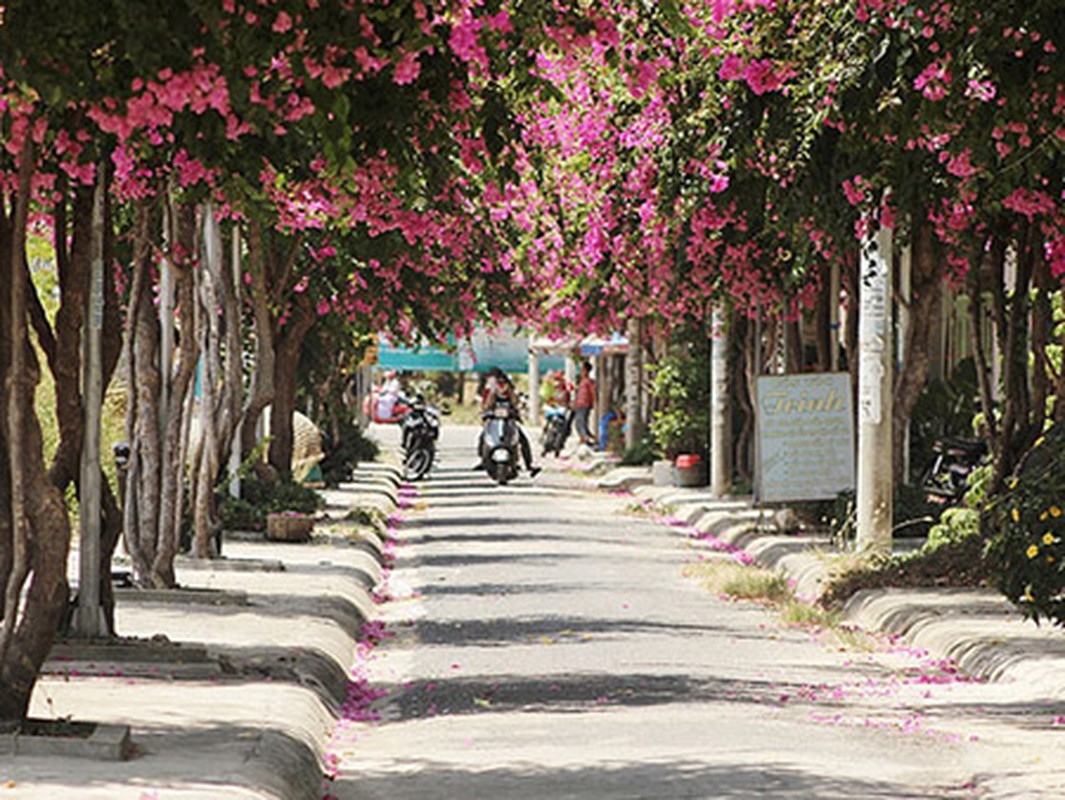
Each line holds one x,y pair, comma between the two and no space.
617,780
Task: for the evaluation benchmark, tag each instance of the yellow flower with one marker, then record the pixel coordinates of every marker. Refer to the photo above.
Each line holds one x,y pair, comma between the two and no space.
1055,511
1043,516
1033,551
1048,538
1050,559
1016,515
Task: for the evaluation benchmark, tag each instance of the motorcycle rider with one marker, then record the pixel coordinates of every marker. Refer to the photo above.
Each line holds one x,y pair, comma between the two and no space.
499,389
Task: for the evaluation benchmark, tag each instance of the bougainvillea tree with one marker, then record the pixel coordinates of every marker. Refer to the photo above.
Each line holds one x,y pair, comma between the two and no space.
744,148
378,125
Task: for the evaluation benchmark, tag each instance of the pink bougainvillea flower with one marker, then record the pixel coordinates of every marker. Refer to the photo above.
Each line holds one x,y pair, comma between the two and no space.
1030,203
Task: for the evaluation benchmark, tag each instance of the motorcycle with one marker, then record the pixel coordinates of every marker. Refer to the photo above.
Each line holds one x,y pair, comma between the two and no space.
947,480
500,443
420,429
556,429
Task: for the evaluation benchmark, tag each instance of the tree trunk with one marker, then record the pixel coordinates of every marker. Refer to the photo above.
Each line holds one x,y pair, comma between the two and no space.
289,343
38,529
1022,323
261,393
142,415
218,320
822,325
62,347
925,312
178,413
794,355
157,460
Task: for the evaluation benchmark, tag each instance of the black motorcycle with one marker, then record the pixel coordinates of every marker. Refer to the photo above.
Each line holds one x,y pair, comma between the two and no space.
500,442
420,430
557,423
947,480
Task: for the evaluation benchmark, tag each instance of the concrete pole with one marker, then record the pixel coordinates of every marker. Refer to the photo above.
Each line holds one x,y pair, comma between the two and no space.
603,384
903,335
875,489
234,449
634,424
88,620
720,445
534,386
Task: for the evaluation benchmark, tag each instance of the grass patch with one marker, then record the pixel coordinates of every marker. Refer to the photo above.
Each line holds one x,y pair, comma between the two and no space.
638,509
804,615
763,586
735,581
368,517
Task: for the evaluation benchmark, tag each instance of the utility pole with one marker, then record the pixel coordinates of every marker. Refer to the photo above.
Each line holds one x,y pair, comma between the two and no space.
88,620
720,450
875,479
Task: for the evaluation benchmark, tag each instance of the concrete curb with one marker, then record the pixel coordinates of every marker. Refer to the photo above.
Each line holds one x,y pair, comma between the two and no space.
978,629
265,694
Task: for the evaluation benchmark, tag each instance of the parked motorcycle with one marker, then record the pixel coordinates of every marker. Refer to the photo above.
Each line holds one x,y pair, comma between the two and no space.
947,479
500,443
556,429
420,430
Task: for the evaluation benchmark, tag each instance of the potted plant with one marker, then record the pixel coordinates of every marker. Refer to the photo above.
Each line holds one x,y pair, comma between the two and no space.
680,387
289,526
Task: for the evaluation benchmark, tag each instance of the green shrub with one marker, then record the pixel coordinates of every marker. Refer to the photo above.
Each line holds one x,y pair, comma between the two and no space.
239,515
680,385
955,563
643,452
259,498
1026,528
342,456
954,525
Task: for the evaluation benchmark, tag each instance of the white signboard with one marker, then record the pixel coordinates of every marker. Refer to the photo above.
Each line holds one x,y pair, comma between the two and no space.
805,436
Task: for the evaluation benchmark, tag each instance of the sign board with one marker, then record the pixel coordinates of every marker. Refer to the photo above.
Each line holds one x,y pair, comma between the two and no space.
805,436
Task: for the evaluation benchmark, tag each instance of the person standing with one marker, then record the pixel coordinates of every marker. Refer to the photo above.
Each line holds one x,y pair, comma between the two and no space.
584,404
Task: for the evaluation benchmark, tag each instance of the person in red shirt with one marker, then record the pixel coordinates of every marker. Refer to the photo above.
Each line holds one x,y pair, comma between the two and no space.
584,404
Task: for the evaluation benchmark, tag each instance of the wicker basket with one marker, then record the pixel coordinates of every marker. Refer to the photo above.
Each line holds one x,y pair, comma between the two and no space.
289,527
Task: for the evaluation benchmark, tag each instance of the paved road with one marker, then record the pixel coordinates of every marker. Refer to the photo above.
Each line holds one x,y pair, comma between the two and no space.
547,645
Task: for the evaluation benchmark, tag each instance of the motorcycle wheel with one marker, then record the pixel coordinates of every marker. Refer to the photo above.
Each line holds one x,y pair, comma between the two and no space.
500,474
417,463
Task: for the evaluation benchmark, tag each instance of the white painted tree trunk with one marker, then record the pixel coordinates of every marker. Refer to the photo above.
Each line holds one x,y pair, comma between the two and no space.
634,384
89,620
720,440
